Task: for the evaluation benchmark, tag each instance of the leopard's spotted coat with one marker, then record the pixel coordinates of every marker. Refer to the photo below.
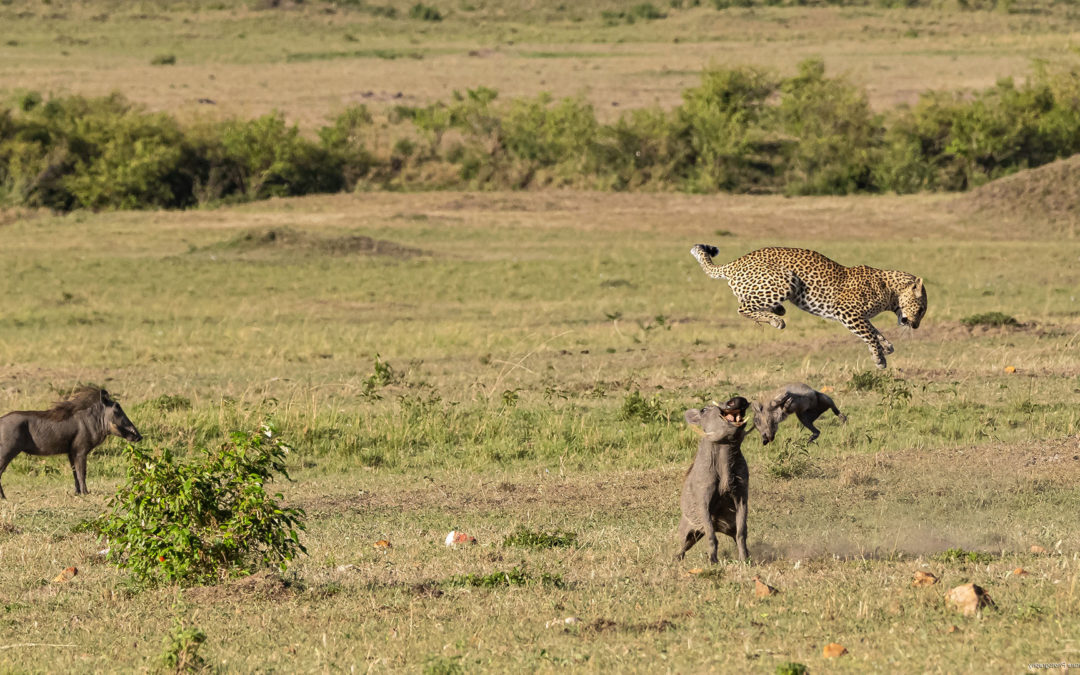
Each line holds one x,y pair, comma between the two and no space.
763,279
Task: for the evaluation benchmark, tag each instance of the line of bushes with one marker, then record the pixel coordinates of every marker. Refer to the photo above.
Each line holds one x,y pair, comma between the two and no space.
739,130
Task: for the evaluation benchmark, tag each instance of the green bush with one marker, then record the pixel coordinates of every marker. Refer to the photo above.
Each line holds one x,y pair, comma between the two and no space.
344,139
424,13
270,159
990,319
537,539
163,60
180,650
636,407
197,523
839,137
725,118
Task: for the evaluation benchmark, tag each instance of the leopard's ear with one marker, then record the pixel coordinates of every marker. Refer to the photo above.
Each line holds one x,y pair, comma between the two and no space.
918,286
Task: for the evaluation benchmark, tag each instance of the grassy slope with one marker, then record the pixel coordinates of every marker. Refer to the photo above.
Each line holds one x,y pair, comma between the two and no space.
515,292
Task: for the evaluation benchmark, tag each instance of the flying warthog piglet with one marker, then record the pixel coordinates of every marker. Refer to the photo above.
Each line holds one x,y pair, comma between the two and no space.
72,427
807,404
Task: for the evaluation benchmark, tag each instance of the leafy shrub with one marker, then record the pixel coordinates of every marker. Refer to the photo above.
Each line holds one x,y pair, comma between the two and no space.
959,555
163,60
893,389
169,402
267,158
792,668
726,124
526,538
636,407
424,12
990,319
544,135
646,11
517,576
201,522
838,135
180,649
789,459
344,139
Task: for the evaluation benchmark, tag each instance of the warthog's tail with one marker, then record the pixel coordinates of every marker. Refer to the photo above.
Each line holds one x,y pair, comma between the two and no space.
704,254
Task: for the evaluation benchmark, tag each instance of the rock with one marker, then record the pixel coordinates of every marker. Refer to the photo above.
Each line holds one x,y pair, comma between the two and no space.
383,544
827,389
1010,369
762,589
1020,572
455,538
1038,550
65,575
833,650
953,629
968,599
568,621
923,579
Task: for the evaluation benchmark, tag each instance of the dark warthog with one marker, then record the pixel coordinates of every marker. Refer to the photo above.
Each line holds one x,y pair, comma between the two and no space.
801,399
74,427
714,494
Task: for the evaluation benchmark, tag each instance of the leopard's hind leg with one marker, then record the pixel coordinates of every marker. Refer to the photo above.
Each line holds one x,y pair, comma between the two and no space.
763,304
768,311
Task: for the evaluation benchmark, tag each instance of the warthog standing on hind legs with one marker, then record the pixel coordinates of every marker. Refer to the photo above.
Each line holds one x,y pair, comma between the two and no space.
714,494
801,399
74,427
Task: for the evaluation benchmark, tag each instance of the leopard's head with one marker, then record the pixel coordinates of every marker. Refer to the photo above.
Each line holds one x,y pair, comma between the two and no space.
912,304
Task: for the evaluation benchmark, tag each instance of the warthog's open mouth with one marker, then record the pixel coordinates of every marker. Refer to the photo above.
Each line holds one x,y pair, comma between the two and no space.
736,417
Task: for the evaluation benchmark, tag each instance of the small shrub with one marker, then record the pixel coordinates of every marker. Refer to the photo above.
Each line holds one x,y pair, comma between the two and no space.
202,522
424,12
789,459
990,319
894,390
526,538
163,60
636,407
444,665
646,11
169,403
959,555
180,651
792,668
384,375
518,576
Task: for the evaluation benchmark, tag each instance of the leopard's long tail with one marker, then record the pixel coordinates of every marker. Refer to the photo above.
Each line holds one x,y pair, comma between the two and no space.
704,254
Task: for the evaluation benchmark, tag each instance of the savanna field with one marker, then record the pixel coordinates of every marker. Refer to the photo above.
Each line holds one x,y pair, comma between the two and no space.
514,363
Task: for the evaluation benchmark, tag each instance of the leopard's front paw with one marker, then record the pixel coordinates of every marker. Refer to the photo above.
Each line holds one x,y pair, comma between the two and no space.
777,323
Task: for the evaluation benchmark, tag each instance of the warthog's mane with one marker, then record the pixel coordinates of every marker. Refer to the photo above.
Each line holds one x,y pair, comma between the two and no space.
83,398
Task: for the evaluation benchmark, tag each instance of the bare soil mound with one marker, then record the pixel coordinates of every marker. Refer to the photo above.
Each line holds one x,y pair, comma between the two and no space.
285,239
262,586
1049,193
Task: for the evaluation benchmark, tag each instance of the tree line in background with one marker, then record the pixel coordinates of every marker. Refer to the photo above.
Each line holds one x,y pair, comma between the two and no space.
740,130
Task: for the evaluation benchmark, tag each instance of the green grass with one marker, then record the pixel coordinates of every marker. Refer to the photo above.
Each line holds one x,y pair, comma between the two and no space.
515,365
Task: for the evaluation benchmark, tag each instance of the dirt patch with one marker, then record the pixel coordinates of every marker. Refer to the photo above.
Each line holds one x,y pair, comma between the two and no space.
264,585
1049,193
286,239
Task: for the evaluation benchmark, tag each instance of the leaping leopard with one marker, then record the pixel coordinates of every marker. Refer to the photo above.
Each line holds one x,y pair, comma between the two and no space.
763,279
